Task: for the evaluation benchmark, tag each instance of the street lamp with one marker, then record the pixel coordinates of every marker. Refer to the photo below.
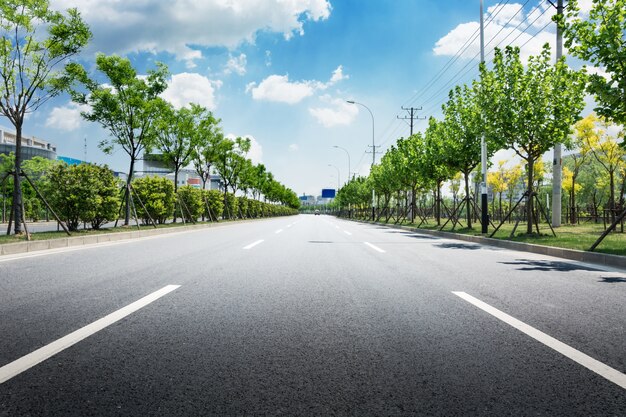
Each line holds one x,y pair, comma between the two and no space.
347,153
338,176
373,153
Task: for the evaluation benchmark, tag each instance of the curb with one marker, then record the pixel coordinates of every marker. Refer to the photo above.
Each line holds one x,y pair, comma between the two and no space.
39,245
603,259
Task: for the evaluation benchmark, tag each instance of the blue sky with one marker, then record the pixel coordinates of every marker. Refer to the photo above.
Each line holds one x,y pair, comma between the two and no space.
280,71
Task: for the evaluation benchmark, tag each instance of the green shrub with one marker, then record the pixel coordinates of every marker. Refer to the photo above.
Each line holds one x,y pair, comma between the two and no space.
243,207
157,196
191,199
83,193
231,206
213,201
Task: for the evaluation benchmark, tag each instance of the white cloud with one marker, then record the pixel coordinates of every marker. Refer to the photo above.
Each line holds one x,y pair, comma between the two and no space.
293,147
66,118
501,31
185,88
156,26
338,75
338,113
268,58
236,64
278,87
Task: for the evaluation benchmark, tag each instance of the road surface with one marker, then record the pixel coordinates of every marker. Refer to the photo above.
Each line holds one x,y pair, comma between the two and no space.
308,316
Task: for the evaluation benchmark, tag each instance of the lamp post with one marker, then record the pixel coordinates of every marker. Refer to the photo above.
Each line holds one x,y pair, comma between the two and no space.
338,176
347,153
373,153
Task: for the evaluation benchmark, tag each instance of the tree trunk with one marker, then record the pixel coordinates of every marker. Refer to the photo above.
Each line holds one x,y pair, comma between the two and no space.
572,202
612,197
176,194
529,190
16,207
128,181
467,201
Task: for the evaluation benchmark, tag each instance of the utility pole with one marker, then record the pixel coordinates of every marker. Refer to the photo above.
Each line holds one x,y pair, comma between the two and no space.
412,116
557,161
85,149
484,207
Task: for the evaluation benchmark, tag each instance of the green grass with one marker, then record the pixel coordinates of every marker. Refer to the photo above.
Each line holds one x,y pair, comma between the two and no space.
579,237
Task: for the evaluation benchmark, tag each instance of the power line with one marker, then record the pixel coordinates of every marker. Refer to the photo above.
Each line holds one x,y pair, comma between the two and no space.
461,72
453,59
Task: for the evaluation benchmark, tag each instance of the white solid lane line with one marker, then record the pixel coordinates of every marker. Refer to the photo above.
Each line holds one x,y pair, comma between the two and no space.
587,361
25,362
253,244
278,231
376,248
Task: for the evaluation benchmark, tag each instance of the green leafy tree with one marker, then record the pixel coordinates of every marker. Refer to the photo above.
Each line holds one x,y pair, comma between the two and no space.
179,134
83,193
463,124
157,198
531,109
31,67
127,106
599,39
205,153
230,162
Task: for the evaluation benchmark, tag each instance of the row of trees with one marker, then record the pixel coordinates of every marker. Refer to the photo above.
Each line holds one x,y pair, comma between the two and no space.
90,194
525,108
33,69
513,106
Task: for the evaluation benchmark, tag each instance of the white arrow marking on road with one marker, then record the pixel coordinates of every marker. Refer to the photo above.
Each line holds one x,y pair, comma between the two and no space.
26,362
376,248
253,244
587,361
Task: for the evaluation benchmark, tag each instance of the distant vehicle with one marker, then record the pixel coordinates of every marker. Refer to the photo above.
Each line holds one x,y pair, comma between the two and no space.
317,212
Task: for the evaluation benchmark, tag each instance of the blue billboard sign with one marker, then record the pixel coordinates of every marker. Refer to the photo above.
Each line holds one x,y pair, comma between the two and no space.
328,193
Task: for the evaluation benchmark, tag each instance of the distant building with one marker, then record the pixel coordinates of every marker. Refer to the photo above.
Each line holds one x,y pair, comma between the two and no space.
70,161
31,146
307,200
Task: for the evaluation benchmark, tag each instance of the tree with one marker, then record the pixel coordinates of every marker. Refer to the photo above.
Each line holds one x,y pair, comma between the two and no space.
29,67
498,182
464,127
531,109
583,130
608,153
599,39
127,107
178,135
434,169
205,153
230,161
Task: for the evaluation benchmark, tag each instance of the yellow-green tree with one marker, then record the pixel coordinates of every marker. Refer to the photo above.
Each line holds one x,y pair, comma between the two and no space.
610,155
498,183
583,130
571,187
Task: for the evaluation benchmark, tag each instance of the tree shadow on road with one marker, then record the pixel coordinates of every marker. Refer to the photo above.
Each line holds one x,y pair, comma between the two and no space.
529,265
468,246
613,280
413,235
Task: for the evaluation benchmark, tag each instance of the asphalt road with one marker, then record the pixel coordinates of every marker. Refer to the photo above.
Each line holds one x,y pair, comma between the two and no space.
308,316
